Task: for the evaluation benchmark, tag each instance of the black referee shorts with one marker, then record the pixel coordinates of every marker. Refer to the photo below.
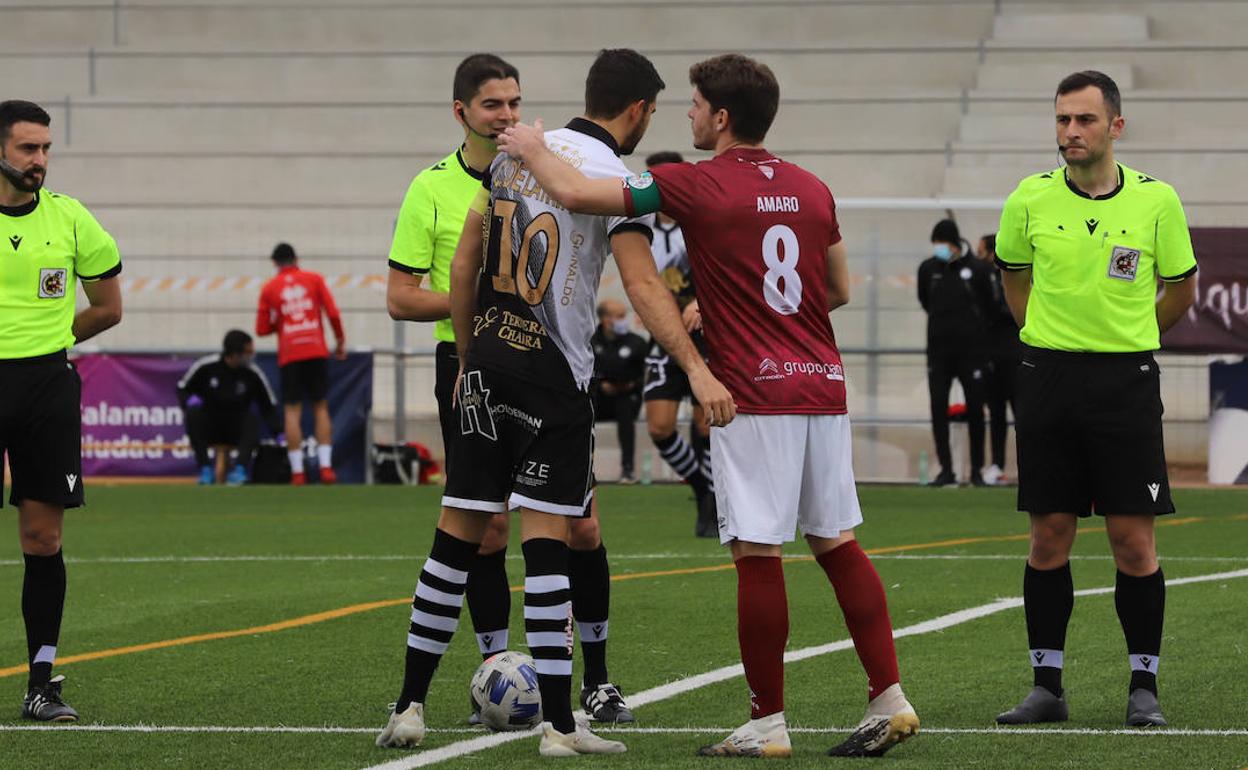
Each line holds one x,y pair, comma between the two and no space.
446,369
1089,434
306,380
41,429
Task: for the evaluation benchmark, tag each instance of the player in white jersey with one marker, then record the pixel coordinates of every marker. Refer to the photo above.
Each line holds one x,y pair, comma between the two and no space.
666,384
526,415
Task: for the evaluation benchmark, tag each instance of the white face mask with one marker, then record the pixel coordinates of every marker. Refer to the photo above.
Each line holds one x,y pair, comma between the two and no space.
621,326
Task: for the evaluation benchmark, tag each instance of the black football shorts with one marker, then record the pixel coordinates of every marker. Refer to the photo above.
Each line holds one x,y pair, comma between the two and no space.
41,429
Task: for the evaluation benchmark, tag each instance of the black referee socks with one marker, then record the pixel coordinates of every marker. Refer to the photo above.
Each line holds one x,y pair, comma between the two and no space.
1141,605
43,603
489,602
1048,599
591,603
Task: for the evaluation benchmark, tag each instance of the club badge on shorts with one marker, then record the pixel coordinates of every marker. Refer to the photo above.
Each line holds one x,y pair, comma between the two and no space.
1123,263
51,282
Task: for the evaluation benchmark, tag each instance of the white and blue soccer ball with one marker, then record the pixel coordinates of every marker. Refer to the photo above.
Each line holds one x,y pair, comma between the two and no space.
504,692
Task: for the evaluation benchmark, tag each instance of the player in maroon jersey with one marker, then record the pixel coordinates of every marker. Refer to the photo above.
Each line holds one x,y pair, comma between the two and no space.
769,265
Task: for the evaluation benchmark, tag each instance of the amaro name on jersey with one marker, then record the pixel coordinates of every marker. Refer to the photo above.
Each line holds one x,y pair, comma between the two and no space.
779,203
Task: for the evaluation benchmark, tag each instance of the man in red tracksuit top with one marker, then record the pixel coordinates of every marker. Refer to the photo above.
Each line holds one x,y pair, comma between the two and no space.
291,304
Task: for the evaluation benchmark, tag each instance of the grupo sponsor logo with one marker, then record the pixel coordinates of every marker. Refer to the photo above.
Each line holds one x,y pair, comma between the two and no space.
815,368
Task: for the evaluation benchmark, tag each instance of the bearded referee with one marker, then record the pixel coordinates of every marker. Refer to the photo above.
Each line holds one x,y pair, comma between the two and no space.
1082,249
52,241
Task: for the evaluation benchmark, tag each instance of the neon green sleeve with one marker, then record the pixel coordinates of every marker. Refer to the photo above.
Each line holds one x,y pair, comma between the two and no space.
1014,250
97,256
1175,258
412,247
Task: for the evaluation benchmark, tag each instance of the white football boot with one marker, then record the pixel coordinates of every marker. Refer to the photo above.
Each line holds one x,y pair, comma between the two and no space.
405,730
890,720
767,737
579,741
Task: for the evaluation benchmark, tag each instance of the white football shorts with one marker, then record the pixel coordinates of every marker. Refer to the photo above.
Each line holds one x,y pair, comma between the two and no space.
776,472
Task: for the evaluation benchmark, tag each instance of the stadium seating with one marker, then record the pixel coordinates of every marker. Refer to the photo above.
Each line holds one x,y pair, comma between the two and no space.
201,134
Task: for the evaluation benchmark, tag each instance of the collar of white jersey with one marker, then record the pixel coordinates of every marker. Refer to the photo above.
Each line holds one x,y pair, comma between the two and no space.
590,128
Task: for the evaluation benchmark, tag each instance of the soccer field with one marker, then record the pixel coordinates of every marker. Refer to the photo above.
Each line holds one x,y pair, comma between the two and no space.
264,627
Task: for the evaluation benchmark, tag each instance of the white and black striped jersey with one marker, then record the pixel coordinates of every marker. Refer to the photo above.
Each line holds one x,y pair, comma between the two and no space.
539,284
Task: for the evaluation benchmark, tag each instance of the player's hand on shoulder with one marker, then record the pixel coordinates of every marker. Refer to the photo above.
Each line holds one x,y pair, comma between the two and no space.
715,399
521,139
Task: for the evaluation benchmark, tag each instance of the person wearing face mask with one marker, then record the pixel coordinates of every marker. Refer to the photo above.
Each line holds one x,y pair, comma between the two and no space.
956,292
1004,353
216,395
619,369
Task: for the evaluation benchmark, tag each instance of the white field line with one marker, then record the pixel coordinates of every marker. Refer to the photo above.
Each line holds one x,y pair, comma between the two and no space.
333,730
681,686
717,556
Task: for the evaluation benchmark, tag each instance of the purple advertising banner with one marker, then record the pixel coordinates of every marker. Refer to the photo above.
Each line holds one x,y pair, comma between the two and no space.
1218,319
131,421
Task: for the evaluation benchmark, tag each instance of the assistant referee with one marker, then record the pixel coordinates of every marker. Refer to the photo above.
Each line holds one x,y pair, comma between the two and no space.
1082,248
51,241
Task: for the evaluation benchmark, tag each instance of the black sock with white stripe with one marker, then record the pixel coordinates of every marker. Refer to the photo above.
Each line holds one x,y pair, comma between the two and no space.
548,626
489,601
677,453
43,603
435,613
702,445
1141,605
591,603
1048,600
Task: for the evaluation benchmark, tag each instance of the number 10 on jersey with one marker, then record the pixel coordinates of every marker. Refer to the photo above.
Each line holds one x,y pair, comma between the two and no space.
517,282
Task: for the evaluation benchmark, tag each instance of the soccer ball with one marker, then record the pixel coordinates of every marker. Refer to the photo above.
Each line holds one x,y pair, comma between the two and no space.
504,692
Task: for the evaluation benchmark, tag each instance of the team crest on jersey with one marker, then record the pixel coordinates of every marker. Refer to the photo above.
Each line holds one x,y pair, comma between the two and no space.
1123,263
52,282
768,171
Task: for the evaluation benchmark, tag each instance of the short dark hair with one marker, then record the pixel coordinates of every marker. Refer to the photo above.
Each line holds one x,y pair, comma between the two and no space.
746,88
477,69
946,231
235,342
665,156
284,254
1091,78
617,78
990,241
18,111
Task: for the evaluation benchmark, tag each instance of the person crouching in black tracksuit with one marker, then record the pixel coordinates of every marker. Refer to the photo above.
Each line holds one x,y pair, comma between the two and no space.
619,368
216,395
956,291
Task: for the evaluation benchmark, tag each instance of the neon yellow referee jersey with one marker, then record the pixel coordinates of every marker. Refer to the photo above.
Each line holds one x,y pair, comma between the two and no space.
429,225
48,245
1095,261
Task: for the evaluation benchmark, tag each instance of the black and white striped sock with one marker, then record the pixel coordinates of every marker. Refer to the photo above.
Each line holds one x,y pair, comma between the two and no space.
548,626
435,613
702,444
682,458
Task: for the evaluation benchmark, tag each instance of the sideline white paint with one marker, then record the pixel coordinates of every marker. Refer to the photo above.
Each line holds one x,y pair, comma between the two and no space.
681,686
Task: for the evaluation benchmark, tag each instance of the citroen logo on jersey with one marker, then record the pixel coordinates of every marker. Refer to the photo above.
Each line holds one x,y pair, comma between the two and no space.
1091,223
15,241
767,366
474,407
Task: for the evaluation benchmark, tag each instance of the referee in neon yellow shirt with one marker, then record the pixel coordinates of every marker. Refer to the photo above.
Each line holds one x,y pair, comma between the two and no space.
486,100
50,243
1082,249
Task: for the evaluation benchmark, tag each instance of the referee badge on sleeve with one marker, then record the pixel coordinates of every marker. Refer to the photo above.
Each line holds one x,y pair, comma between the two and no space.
1123,263
51,282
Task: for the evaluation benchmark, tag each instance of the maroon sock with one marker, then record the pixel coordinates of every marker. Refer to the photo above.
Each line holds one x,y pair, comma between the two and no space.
763,631
861,595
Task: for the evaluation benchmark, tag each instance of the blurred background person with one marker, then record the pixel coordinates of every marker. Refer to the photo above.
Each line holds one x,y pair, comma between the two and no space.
216,395
619,368
1004,353
291,304
956,292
